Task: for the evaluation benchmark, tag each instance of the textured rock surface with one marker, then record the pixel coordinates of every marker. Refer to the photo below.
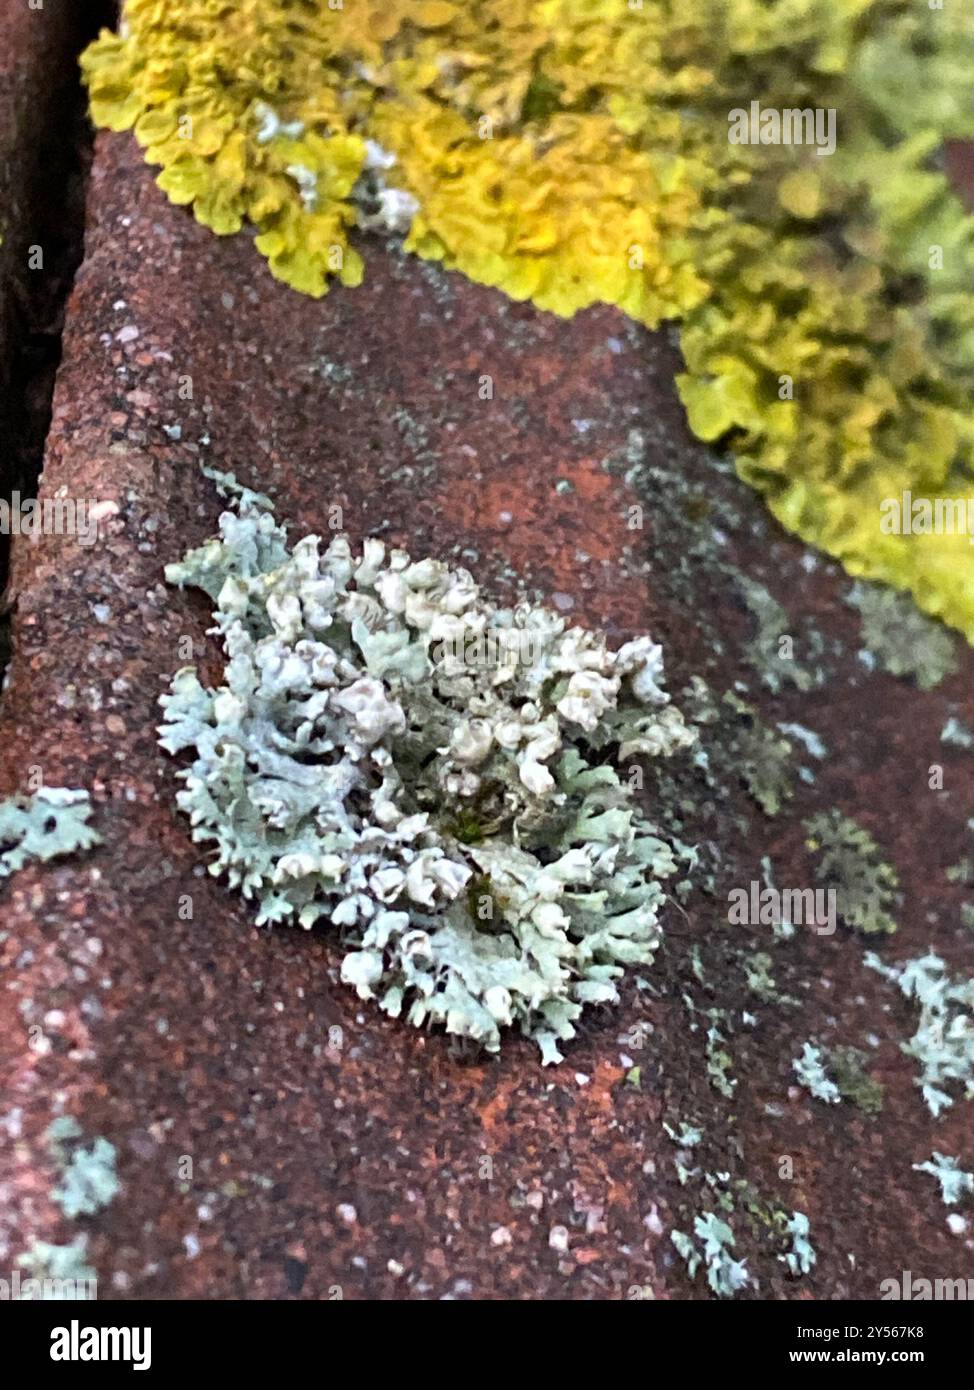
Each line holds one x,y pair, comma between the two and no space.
41,125
370,1159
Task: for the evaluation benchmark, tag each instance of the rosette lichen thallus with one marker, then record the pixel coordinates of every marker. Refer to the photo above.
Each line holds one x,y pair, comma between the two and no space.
461,824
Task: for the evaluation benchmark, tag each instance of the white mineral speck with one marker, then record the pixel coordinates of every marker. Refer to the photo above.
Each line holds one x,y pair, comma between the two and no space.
558,1238
652,1221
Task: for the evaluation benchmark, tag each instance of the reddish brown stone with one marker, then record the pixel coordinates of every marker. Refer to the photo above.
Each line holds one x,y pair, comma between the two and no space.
372,1160
40,162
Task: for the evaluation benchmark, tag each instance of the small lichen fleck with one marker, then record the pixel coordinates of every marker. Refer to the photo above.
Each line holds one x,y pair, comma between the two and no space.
954,1182
943,1043
763,760
801,1257
848,1066
757,967
88,1181
50,823
719,1060
686,1137
810,1070
711,1245
769,651
850,861
58,1272
957,735
901,638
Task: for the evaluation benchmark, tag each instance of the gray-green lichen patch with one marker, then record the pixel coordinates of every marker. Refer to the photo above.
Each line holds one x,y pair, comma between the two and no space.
810,1070
955,1183
801,1257
943,1043
962,872
88,1181
957,735
764,760
714,1239
813,744
717,1023
57,1272
719,1060
771,650
50,823
850,862
739,746
775,1230
757,966
901,639
711,1245
849,1067
431,774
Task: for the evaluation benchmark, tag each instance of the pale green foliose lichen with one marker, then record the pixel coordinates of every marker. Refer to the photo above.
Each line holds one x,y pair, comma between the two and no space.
50,823
714,1240
88,1179
801,1257
957,734
57,1273
810,1070
394,755
954,1182
686,1137
719,1060
943,1043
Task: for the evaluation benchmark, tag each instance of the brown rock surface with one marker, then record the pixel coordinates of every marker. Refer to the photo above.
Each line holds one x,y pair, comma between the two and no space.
262,1153
44,141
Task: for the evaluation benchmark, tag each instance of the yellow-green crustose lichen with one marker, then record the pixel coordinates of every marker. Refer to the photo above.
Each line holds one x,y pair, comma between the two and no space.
573,152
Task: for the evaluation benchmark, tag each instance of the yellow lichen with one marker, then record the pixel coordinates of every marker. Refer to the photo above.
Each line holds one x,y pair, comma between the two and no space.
574,152
543,216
